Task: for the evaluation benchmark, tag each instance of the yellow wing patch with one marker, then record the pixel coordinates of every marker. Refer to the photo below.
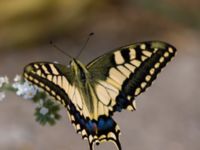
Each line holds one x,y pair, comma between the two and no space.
119,58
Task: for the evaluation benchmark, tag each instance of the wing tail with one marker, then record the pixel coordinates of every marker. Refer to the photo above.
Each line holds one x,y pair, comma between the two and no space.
96,132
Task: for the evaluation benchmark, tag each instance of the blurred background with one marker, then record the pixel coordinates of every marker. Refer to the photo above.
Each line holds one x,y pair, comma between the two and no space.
168,114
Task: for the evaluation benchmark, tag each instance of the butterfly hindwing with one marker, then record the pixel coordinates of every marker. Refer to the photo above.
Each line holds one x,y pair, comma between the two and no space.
95,131
126,72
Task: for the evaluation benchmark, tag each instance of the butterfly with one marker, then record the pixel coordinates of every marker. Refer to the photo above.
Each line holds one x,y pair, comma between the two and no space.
110,83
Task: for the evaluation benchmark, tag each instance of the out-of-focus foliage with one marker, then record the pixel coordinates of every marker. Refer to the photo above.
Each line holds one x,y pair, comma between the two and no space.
23,22
185,12
28,22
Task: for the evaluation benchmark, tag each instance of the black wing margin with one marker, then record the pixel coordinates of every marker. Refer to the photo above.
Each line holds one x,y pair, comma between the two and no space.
51,77
131,69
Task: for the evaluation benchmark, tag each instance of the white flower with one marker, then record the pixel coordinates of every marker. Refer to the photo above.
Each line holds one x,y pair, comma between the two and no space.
26,90
3,80
17,78
16,85
2,96
44,110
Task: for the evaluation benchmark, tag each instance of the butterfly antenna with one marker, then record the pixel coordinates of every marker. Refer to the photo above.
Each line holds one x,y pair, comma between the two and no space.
59,49
85,44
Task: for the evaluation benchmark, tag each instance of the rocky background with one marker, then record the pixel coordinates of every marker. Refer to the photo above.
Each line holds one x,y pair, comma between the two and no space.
167,115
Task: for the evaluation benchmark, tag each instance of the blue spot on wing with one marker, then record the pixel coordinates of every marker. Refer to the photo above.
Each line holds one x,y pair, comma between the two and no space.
105,124
89,126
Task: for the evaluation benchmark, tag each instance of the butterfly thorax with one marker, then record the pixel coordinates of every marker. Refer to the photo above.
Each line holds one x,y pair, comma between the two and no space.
81,74
83,83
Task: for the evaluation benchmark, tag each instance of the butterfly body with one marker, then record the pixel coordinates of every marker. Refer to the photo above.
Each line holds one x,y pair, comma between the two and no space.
92,93
82,81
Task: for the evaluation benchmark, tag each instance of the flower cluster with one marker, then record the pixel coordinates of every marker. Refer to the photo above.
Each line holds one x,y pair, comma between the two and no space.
25,89
46,110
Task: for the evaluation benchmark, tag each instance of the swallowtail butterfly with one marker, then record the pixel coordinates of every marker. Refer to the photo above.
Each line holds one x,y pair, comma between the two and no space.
92,93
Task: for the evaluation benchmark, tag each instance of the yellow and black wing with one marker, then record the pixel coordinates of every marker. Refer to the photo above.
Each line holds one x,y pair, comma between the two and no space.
124,73
121,75
58,81
54,78
116,79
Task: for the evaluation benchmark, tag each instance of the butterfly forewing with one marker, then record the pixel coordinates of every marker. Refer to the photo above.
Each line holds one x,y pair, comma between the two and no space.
50,77
128,71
